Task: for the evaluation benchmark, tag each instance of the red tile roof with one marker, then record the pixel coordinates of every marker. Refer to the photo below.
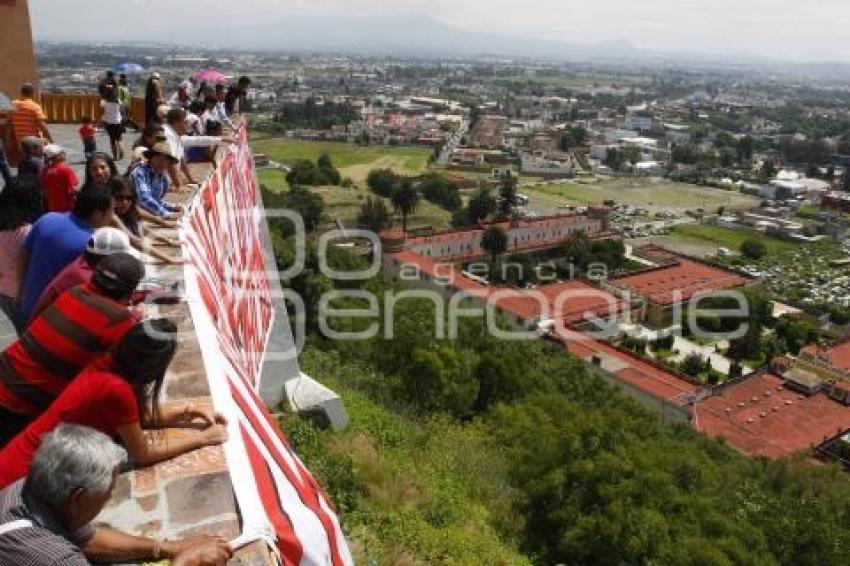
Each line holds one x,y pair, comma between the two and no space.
760,417
634,371
640,374
837,356
575,298
686,276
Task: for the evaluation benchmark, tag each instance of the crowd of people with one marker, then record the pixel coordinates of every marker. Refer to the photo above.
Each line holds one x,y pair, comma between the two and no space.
70,271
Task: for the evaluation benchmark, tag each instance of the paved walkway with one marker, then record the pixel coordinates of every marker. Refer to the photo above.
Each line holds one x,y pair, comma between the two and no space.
686,347
66,135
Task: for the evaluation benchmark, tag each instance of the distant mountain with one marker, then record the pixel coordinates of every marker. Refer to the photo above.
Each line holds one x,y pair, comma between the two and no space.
413,36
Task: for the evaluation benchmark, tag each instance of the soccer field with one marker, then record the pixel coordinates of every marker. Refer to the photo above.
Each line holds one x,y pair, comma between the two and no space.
652,193
352,160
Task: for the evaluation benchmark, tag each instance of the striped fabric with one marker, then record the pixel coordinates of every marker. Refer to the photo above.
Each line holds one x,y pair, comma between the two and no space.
231,306
71,333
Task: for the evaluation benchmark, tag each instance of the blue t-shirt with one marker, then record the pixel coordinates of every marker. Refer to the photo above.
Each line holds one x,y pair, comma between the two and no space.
56,239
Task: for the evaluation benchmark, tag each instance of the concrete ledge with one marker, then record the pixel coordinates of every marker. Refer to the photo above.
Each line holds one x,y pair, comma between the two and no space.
307,397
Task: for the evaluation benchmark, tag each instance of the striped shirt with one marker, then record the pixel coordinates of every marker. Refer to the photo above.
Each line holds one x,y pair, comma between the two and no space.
71,333
40,539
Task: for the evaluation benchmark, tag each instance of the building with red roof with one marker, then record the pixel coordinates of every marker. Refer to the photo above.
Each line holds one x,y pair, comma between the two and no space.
571,307
665,288
760,416
523,235
830,363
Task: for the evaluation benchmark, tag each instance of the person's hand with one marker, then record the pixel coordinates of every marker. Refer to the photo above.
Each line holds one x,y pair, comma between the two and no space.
174,260
209,553
207,414
213,435
172,548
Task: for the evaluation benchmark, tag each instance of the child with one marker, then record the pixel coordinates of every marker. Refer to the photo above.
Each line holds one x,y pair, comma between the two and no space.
87,132
58,180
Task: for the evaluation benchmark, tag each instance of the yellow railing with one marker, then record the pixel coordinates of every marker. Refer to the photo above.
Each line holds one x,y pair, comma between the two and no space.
63,108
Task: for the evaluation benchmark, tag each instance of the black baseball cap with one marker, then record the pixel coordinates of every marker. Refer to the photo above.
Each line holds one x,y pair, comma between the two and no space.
118,275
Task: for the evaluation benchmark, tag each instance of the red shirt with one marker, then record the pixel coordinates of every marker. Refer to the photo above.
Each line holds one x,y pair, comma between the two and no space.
76,273
75,330
97,398
59,182
87,131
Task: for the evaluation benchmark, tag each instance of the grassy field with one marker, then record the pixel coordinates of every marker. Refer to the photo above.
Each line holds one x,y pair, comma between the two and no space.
650,193
352,160
355,162
716,236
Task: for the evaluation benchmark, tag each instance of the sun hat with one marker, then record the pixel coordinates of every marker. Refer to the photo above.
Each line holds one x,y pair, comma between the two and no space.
161,148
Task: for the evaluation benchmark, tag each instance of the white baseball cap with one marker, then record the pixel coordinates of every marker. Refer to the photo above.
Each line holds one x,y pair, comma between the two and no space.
107,241
52,150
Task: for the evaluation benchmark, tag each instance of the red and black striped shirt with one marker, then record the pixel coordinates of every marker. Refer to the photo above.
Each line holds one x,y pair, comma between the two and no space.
66,337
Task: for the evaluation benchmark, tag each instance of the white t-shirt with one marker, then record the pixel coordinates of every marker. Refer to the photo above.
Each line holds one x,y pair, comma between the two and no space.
194,124
111,112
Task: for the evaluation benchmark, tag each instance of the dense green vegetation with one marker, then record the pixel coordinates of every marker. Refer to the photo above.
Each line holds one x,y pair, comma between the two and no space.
305,172
480,451
315,114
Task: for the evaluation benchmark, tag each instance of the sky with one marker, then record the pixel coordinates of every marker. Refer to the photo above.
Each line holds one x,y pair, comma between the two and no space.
792,30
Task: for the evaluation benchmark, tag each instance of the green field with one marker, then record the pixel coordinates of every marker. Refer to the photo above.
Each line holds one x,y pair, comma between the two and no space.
352,160
716,236
654,194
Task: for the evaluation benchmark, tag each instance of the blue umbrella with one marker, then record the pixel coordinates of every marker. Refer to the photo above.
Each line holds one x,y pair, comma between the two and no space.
129,68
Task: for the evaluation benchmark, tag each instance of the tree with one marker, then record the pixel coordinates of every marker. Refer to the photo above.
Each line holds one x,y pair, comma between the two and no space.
507,193
481,206
753,248
748,346
494,241
795,333
439,190
374,215
768,170
306,203
631,154
303,172
383,182
614,159
441,379
329,174
405,199
692,365
745,150
684,153
577,249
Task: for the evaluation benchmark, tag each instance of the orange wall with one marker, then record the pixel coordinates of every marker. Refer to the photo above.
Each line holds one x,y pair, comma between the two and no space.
17,56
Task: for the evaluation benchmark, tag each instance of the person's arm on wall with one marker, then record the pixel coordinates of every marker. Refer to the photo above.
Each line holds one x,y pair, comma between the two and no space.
109,545
149,448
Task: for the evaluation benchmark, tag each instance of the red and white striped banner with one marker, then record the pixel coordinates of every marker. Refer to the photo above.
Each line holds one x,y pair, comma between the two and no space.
231,305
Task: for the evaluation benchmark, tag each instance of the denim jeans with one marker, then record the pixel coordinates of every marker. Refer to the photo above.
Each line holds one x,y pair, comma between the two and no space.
7,305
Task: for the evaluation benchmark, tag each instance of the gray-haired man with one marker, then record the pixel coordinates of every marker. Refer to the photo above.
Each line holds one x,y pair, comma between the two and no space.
45,519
